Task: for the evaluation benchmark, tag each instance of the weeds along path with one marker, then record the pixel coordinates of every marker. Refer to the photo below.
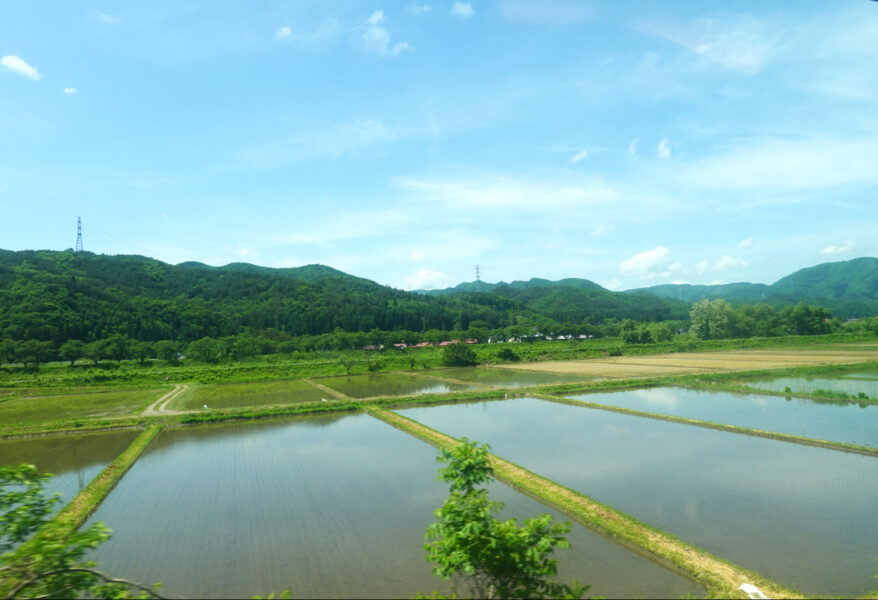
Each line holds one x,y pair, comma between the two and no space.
159,407
720,577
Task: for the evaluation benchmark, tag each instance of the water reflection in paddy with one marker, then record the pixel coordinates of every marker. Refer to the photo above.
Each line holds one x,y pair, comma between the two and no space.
807,385
390,384
836,421
801,515
509,378
325,506
74,460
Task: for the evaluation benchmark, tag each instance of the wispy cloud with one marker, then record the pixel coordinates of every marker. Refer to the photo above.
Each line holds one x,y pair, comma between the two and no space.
17,65
462,10
546,12
419,9
329,142
745,243
322,33
603,228
579,156
376,38
742,44
729,262
787,164
632,147
842,249
103,17
663,150
70,90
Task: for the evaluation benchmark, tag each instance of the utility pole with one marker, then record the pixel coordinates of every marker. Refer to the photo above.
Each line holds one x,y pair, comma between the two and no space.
78,234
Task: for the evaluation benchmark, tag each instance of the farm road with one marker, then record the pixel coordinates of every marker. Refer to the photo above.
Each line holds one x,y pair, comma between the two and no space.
158,407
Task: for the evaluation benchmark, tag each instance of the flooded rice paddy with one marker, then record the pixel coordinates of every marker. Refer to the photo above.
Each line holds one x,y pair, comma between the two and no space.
507,378
390,384
74,460
834,421
800,515
322,506
809,385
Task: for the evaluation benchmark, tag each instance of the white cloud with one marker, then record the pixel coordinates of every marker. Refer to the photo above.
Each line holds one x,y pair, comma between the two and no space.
701,267
419,9
376,39
663,150
741,44
581,155
648,264
325,31
107,19
717,282
246,252
70,90
424,279
17,65
324,142
462,10
613,284
745,243
415,256
728,262
602,229
776,165
632,147
833,250
546,12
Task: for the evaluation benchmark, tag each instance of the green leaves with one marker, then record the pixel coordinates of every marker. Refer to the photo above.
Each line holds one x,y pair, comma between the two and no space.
498,559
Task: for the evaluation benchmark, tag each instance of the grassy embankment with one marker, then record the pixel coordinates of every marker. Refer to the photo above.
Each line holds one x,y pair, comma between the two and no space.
720,577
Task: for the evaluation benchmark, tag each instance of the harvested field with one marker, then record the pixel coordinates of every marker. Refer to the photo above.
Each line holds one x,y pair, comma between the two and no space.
690,362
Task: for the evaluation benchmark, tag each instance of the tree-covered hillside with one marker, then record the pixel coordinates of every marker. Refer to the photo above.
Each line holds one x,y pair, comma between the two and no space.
848,288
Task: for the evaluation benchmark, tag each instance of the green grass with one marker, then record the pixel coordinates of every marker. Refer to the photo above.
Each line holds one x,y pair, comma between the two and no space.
239,395
52,406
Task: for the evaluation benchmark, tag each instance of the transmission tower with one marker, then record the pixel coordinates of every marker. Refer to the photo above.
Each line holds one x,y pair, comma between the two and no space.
78,234
478,280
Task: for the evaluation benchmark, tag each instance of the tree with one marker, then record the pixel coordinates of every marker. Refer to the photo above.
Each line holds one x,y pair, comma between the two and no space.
72,350
46,561
498,559
459,355
34,352
141,351
166,350
711,319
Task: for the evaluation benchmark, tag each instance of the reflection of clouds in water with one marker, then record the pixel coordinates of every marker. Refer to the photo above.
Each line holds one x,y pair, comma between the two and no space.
666,397
691,509
617,430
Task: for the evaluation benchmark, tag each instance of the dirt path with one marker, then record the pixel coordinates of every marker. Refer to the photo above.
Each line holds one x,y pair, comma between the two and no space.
159,407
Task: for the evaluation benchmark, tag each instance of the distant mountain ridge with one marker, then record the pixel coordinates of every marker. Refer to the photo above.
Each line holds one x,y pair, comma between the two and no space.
848,288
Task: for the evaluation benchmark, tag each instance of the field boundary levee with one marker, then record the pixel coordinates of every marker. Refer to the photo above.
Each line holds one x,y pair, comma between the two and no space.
783,437
720,577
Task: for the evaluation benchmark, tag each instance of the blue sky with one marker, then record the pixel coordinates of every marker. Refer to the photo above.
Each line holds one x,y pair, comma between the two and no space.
631,143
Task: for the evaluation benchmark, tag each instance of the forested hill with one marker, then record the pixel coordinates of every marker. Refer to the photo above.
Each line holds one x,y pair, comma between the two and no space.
848,288
536,282
60,296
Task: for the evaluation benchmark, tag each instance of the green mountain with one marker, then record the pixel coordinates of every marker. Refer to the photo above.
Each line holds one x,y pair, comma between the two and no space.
571,300
847,288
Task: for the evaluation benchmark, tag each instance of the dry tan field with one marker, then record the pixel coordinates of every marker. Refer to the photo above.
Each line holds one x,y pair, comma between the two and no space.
692,362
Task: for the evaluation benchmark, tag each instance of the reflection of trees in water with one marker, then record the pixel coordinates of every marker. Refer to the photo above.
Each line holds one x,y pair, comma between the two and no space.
80,478
65,454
